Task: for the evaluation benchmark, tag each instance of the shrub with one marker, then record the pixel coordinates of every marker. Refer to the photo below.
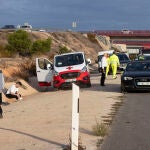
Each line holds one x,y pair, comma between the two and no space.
100,129
4,52
41,46
91,37
19,42
63,49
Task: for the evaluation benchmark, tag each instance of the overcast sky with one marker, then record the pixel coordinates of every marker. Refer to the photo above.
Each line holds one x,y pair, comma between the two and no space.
89,14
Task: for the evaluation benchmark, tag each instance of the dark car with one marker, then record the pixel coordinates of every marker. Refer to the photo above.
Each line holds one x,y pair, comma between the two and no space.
136,76
9,27
124,59
143,57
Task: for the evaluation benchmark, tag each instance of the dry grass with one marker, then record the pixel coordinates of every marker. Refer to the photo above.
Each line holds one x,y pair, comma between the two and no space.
100,129
18,70
26,69
80,146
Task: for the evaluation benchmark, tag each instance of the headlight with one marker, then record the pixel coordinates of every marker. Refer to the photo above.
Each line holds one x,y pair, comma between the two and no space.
84,69
128,78
56,73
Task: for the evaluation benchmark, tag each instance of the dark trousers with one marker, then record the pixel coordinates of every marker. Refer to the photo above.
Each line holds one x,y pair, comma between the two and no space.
103,76
11,96
1,111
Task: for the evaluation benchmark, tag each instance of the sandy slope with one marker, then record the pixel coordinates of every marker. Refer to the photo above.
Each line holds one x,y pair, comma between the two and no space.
42,121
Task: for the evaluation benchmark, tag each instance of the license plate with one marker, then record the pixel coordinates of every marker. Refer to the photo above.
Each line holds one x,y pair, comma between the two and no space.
70,80
143,83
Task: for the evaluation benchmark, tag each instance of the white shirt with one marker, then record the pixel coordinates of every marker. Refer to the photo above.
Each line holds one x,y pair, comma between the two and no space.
104,62
12,89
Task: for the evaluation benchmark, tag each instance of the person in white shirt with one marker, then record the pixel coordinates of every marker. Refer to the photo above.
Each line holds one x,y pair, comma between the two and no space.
104,64
13,91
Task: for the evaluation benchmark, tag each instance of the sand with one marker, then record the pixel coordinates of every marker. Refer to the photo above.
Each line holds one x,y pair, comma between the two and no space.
42,121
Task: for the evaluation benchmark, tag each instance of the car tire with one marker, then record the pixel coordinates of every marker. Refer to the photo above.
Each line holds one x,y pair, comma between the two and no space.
123,89
89,85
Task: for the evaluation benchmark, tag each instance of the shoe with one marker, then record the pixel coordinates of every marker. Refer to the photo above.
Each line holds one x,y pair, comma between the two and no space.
102,84
20,98
115,77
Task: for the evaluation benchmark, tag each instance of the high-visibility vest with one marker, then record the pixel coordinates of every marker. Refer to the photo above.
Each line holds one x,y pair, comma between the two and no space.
114,60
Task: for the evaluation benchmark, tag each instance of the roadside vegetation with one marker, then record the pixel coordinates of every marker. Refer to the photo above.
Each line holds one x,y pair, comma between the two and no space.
26,69
19,42
100,129
63,49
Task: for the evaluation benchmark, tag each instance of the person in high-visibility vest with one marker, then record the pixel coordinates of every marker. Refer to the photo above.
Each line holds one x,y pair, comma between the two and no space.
114,62
141,57
108,65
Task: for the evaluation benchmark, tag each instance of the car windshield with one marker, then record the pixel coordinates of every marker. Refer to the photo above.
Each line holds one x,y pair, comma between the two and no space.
123,57
145,57
69,60
138,66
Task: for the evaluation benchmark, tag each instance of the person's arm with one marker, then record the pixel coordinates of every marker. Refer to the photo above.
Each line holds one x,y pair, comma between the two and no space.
102,63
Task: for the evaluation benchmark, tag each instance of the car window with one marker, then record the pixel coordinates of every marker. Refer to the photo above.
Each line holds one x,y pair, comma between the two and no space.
138,66
69,60
123,57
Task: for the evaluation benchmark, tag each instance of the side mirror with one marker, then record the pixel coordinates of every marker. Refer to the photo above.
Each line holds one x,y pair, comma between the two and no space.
88,61
50,66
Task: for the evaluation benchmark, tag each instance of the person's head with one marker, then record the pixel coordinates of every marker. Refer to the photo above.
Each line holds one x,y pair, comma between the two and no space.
18,84
114,52
105,54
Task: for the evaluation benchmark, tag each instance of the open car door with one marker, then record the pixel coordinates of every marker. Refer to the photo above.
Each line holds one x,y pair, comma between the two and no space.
44,70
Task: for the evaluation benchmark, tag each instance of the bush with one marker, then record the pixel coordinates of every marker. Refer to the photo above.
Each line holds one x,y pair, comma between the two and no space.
41,46
63,49
4,52
100,129
91,37
19,42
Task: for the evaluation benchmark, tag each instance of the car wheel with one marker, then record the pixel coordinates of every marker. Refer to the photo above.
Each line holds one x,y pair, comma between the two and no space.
89,84
123,89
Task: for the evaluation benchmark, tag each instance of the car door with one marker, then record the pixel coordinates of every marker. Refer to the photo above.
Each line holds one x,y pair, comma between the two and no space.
44,70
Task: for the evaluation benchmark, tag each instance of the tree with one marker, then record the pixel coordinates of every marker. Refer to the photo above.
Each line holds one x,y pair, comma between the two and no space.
41,46
19,41
63,49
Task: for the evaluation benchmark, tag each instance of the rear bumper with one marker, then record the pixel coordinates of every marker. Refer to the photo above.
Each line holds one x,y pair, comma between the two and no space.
83,78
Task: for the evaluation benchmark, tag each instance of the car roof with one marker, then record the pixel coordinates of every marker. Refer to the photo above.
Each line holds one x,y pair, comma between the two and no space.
140,61
69,53
106,51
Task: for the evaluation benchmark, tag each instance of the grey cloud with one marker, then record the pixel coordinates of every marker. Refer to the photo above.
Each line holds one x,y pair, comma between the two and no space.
89,14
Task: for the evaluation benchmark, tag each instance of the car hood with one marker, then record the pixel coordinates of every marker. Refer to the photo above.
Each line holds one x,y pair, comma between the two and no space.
137,74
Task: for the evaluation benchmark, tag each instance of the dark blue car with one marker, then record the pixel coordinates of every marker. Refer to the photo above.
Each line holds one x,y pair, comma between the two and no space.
136,76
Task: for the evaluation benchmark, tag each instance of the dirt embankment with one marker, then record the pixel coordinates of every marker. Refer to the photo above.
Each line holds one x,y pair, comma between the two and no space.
16,68
74,41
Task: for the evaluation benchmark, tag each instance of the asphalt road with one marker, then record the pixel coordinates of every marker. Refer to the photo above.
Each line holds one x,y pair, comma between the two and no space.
131,128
